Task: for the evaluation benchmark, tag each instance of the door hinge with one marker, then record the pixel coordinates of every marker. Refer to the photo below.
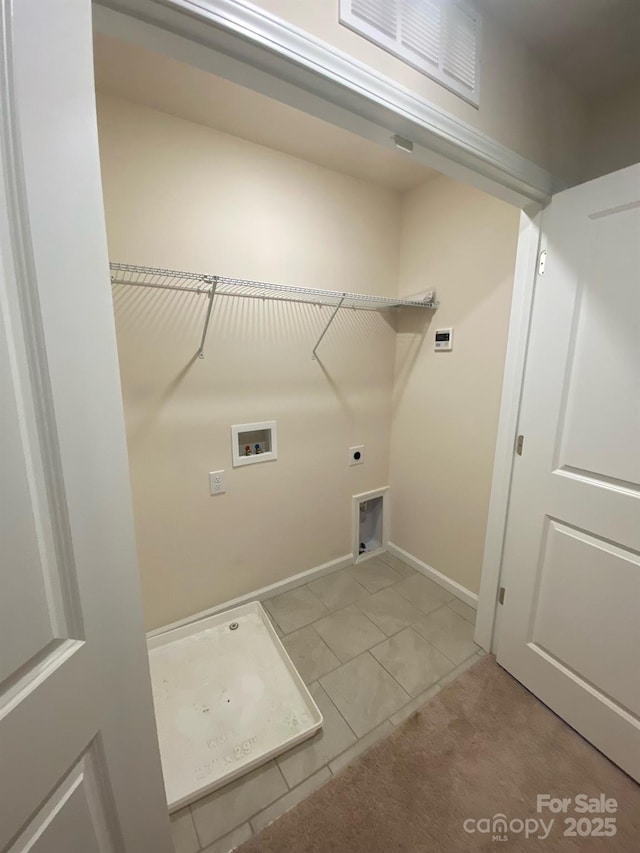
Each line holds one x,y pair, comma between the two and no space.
519,444
501,595
542,262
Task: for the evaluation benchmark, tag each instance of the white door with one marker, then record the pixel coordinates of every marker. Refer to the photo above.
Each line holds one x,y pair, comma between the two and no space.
569,628
79,763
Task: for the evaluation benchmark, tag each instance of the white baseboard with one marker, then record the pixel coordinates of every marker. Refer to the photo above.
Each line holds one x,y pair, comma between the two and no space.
260,594
451,586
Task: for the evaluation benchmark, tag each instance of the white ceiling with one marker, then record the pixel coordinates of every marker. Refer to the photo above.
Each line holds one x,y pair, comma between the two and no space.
592,44
157,81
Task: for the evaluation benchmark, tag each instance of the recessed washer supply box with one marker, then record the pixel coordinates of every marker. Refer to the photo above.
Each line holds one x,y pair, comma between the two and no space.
251,443
227,698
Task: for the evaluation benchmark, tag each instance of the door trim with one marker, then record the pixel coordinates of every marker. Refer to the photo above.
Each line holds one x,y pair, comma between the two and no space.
19,262
247,45
519,322
55,327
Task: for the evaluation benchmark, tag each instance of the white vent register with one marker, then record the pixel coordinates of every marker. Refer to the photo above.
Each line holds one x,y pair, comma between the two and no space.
441,38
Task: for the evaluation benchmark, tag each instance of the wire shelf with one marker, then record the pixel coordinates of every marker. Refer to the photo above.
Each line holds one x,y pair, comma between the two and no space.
200,283
219,285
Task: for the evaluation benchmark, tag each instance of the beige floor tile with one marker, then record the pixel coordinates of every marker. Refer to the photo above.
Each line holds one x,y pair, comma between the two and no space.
337,590
277,809
412,661
396,563
360,747
364,693
463,610
231,841
423,593
183,832
311,656
224,810
348,632
295,609
374,575
389,611
449,633
333,738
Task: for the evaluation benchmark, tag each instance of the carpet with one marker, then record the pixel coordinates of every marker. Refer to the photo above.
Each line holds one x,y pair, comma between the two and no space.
482,747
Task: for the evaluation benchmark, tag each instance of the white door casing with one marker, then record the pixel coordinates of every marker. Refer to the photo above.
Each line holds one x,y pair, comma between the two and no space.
569,627
78,746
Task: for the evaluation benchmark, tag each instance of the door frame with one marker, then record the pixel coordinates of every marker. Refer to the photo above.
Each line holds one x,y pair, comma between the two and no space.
249,46
78,725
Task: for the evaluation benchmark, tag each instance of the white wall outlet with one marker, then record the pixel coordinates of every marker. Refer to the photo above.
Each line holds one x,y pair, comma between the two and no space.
217,484
356,455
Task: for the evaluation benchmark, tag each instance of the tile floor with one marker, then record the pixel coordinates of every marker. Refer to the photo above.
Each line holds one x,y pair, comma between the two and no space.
373,642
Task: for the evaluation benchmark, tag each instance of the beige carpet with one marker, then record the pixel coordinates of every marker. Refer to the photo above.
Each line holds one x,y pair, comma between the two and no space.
483,746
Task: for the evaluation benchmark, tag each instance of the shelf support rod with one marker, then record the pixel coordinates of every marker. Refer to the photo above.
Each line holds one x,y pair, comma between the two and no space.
326,328
212,293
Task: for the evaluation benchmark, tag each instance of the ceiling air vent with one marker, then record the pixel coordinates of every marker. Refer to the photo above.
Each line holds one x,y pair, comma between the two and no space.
441,38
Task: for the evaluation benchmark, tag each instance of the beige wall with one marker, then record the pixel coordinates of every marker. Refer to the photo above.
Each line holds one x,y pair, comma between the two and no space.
614,137
187,197
183,196
446,404
523,105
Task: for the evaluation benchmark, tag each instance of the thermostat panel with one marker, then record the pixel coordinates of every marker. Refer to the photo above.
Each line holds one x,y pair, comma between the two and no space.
443,340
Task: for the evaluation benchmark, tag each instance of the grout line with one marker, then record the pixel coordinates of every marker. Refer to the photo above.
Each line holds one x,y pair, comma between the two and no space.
404,690
392,675
434,645
302,586
315,622
195,826
319,600
326,692
353,580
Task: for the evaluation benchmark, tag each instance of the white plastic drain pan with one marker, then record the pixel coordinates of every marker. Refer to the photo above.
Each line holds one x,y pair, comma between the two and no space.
227,698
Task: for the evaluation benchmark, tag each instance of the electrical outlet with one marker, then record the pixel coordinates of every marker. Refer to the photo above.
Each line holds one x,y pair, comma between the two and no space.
356,455
216,483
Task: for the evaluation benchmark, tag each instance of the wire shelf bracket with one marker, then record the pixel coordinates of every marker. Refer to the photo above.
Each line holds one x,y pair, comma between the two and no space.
212,293
217,285
314,355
